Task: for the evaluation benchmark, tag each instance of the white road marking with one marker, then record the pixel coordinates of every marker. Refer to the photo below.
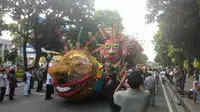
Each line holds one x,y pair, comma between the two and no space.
166,97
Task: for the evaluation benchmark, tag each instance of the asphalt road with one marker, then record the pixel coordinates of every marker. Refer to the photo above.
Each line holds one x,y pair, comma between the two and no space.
36,103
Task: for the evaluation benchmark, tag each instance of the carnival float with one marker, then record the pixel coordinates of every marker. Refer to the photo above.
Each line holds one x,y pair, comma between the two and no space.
78,74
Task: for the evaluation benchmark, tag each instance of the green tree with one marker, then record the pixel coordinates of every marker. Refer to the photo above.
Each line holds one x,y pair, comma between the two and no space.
141,58
19,61
6,55
177,55
1,60
180,23
17,40
43,34
161,47
22,32
107,18
12,55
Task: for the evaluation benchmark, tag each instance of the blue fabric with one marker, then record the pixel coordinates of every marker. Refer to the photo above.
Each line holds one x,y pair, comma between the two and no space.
41,19
3,80
27,83
48,79
99,84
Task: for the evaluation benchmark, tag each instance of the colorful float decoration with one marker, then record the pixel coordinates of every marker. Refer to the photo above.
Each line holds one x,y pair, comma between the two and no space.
78,74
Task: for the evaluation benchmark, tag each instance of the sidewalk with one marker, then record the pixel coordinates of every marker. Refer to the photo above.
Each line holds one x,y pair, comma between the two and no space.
188,103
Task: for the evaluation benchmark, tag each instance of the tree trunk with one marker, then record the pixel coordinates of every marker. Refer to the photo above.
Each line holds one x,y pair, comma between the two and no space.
38,55
25,53
48,61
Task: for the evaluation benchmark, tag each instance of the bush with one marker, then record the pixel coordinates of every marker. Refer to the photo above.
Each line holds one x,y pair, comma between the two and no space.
19,74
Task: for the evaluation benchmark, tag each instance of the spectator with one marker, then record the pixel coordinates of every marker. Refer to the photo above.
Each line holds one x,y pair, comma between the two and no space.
49,88
27,82
171,75
40,78
149,84
13,83
128,99
110,88
8,83
196,91
181,79
177,74
156,77
3,85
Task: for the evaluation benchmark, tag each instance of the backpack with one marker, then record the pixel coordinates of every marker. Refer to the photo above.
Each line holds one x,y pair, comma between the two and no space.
24,78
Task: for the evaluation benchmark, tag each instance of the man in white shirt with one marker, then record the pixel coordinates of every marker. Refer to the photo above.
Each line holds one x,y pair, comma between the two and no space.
133,99
3,85
150,84
49,87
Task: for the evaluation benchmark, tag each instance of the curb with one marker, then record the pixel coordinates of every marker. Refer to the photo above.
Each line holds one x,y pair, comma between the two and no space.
181,100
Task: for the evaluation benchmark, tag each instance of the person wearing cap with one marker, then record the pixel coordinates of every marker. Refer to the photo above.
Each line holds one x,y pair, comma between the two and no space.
133,99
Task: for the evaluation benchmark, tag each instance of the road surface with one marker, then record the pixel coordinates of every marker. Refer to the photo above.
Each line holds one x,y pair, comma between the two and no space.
36,103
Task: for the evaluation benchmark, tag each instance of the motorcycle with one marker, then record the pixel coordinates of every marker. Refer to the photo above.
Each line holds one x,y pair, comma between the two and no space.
190,95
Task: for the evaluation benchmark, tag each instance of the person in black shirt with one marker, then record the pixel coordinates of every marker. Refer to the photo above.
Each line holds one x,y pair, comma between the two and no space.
110,87
13,83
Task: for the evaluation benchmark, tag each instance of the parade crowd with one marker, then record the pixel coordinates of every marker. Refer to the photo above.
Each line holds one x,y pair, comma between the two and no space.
136,89
8,82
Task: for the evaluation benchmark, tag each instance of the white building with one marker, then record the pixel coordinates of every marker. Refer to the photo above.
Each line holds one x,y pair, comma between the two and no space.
5,45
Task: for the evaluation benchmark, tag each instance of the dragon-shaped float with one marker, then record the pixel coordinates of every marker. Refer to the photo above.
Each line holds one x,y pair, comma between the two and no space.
78,74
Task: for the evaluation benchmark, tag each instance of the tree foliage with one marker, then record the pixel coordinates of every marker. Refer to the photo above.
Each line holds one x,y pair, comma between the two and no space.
107,18
161,47
44,34
12,55
179,23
